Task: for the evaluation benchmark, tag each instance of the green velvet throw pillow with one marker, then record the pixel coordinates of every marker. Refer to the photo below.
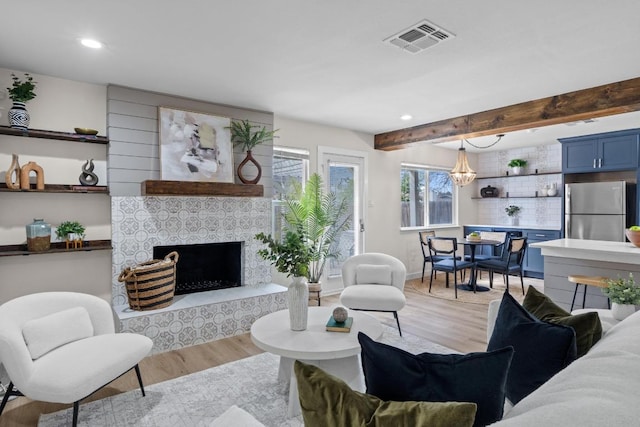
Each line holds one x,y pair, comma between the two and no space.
328,401
587,326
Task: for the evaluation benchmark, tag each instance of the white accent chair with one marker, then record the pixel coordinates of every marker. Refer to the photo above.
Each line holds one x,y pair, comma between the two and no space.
61,347
374,282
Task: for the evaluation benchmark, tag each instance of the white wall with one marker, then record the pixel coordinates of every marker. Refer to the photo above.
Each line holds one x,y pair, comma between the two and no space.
60,105
382,214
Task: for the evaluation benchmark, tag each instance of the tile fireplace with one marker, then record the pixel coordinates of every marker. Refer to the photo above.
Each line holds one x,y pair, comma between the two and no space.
142,223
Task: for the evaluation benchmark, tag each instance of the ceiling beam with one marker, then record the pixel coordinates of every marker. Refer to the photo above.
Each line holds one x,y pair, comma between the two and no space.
606,100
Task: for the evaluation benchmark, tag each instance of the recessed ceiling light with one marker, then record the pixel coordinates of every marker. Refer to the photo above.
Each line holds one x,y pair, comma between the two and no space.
406,117
93,44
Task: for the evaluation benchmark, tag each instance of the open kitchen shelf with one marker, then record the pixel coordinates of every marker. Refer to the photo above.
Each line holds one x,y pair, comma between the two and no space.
518,176
518,197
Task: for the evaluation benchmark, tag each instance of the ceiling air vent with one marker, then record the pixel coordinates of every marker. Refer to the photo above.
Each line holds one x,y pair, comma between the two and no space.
419,37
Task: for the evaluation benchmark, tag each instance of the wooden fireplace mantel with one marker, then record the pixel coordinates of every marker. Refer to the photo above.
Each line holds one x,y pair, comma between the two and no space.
196,188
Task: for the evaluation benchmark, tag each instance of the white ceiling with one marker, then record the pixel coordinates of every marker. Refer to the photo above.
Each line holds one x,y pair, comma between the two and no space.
325,61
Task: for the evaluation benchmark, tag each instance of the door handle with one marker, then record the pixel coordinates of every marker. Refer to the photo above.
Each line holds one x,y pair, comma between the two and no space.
600,162
361,226
594,163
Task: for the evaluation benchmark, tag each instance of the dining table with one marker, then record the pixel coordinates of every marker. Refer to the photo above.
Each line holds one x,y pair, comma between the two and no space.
473,244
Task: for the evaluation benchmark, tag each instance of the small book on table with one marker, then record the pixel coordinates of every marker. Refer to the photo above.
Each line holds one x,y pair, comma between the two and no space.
333,326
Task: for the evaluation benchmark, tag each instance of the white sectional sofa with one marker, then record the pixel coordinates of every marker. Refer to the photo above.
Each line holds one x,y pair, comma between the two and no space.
598,389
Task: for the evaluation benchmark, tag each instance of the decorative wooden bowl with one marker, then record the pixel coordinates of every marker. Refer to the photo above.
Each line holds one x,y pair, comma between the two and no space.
85,131
633,236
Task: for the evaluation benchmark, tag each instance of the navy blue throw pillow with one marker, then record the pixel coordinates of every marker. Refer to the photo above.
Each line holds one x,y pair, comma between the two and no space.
394,374
541,349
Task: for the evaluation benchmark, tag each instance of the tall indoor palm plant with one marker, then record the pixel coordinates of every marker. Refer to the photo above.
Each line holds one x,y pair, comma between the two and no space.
317,218
320,217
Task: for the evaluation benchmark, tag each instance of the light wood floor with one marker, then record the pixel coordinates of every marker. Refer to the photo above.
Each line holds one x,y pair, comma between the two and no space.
456,325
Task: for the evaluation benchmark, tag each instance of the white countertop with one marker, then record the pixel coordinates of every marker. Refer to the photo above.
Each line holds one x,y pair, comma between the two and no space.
595,250
517,227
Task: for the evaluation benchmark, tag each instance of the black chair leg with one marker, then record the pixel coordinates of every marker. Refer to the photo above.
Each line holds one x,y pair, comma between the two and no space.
431,279
137,368
584,295
7,394
573,300
455,284
424,264
76,405
395,314
507,277
522,282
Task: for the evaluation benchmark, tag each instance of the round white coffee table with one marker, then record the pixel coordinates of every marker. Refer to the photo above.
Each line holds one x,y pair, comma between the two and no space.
334,352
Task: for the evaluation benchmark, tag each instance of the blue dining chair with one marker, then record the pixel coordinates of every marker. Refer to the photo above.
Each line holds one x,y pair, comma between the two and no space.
442,251
511,263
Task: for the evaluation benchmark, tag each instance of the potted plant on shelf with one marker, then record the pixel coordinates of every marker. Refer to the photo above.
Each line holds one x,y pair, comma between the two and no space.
517,165
512,212
315,219
72,232
624,295
20,92
243,133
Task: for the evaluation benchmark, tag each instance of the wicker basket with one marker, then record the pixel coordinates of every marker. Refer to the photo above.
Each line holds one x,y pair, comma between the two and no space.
150,285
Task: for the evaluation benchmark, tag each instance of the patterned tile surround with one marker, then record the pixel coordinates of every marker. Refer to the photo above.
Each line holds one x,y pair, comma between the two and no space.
541,211
140,223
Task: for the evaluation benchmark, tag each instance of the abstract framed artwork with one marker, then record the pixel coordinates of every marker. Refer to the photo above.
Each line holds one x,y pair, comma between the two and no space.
194,146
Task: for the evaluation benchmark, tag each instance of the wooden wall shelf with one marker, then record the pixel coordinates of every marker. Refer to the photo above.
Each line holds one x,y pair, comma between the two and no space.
50,134
60,188
193,188
518,176
57,247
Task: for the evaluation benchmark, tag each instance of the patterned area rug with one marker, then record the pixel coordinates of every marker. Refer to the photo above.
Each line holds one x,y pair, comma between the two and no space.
199,398
439,290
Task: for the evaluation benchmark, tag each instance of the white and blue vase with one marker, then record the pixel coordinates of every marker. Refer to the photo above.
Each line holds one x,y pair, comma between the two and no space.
298,298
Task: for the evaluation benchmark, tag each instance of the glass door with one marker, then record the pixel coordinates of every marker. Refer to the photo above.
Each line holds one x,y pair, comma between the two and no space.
343,174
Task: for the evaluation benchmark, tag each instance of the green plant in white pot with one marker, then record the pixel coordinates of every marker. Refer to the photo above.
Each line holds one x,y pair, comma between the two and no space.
72,232
624,295
517,166
512,212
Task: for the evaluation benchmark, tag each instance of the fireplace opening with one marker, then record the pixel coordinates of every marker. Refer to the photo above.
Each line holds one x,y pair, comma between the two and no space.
205,266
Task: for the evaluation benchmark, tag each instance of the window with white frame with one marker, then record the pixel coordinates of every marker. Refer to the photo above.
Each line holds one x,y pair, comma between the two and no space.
289,165
427,197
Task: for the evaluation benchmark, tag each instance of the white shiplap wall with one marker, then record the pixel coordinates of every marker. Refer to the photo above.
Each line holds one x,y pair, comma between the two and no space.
132,123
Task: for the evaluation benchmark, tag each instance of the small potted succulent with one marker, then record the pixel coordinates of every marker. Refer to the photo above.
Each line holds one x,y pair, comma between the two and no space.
517,166
512,212
72,232
20,92
624,295
245,134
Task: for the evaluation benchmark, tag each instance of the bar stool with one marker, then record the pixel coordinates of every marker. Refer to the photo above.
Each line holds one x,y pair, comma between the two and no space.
597,281
315,289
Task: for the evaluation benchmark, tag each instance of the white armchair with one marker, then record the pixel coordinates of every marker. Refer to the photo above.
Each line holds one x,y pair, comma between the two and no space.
374,282
61,347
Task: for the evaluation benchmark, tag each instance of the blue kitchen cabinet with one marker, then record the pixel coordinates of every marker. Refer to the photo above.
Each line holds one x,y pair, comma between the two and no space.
612,151
533,259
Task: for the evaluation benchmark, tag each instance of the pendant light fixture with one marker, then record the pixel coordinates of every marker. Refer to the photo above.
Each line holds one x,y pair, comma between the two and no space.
462,174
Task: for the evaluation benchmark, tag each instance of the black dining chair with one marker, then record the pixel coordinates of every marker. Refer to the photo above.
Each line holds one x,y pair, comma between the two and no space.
498,236
511,262
442,251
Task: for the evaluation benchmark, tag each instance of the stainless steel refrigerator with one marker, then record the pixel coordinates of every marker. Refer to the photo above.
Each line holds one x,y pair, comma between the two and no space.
596,210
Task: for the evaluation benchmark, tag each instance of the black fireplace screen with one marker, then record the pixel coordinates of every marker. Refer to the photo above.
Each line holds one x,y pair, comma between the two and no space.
206,266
